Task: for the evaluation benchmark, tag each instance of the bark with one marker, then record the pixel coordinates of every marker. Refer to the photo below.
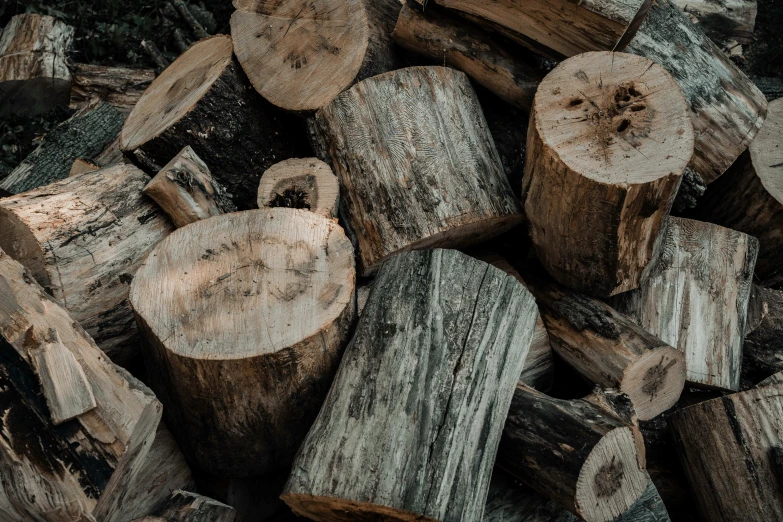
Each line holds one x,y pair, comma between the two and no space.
188,18
306,183
204,100
595,217
84,135
762,352
771,87
118,86
34,77
426,380
727,110
265,297
83,238
723,20
429,176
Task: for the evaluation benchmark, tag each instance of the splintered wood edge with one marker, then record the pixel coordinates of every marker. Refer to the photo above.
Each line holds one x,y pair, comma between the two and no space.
335,509
655,381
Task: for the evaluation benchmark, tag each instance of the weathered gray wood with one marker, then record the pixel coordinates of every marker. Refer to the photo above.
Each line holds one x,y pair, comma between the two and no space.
184,506
426,380
723,20
118,86
762,351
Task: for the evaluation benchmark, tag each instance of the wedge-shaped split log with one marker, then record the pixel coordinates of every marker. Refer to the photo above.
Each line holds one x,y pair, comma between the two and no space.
426,380
307,183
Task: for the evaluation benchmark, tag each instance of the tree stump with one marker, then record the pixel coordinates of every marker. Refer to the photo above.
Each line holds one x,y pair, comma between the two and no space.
416,164
762,351
83,238
34,75
307,183
608,142
426,380
205,100
264,296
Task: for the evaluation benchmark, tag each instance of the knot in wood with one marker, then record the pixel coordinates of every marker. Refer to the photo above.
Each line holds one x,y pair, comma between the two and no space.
609,478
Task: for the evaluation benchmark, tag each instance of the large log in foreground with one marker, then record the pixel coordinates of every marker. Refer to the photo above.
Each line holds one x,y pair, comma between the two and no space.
265,297
426,380
608,142
83,239
427,176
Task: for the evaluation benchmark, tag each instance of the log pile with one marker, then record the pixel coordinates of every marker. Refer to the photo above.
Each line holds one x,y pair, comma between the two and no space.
384,260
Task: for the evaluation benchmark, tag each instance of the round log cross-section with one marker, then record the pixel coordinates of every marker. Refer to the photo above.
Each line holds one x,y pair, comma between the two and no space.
300,183
609,139
245,315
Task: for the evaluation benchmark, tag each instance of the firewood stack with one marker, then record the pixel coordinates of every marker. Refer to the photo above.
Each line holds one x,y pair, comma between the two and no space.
290,275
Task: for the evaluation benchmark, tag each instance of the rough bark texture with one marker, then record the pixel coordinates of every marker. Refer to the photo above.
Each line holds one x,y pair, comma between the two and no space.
184,506
427,380
228,125
723,20
730,449
34,77
771,87
306,183
84,135
118,86
416,163
245,317
83,239
762,353
727,110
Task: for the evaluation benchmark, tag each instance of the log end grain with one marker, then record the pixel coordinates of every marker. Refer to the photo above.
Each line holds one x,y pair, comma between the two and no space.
306,183
655,381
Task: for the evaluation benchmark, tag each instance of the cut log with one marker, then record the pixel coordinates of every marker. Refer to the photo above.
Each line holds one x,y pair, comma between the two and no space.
265,296
34,77
83,239
609,349
185,190
450,40
723,20
426,380
76,470
307,183
118,86
696,298
608,142
84,135
749,197
300,54
730,449
184,506
204,100
81,166
727,110
762,352
428,176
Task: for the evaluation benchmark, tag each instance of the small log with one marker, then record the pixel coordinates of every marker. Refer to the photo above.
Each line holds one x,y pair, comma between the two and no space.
608,142
188,18
449,335
433,156
265,296
204,100
762,351
678,303
730,450
185,190
118,86
34,76
81,166
155,55
306,183
723,20
84,135
450,40
184,506
727,109
79,469
83,239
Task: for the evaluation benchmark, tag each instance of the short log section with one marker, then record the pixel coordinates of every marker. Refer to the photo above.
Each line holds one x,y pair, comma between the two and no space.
306,183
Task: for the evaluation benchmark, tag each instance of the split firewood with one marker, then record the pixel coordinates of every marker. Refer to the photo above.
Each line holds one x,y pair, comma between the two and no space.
118,86
609,139
591,464
34,76
727,109
205,100
265,296
81,166
185,190
306,183
557,28
749,197
79,469
723,20
83,239
450,40
184,506
762,352
84,135
436,178
432,364
731,450
301,54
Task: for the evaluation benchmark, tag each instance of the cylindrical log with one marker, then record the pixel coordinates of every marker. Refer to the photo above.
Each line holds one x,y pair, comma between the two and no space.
205,100
83,238
749,197
730,449
245,316
421,395
34,75
307,183
119,86
608,142
762,352
727,109
416,164
723,20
